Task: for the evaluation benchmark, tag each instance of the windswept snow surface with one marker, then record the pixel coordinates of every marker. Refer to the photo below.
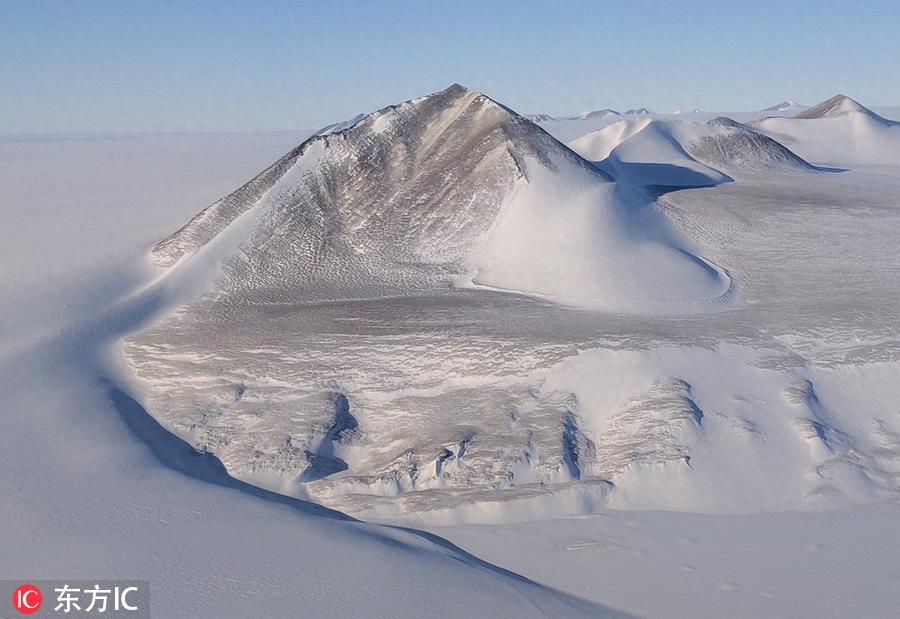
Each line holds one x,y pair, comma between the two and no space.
92,487
787,564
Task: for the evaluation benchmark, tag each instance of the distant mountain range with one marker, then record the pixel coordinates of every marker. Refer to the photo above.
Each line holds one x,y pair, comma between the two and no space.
784,105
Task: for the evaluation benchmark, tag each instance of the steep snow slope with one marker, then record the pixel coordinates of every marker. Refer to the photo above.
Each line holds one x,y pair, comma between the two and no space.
684,154
562,236
838,131
450,188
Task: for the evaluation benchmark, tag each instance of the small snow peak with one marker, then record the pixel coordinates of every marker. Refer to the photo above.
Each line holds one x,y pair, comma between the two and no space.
838,105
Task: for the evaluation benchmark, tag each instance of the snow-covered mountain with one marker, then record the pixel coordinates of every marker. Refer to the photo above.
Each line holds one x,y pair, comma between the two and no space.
440,311
839,105
452,188
597,114
447,192
838,130
794,381
786,105
641,111
675,153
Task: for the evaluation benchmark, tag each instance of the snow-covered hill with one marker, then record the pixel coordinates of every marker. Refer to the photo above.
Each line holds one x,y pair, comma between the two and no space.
838,131
685,154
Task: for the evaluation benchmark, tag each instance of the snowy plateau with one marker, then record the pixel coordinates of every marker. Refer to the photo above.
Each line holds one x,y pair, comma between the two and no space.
447,356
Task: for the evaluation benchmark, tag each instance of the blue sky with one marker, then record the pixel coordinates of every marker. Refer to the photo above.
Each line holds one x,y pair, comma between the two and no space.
88,66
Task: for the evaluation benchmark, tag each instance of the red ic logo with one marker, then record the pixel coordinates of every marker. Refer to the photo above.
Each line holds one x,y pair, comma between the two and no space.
27,599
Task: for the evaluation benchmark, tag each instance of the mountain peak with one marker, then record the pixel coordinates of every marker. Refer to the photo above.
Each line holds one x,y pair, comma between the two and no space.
838,105
451,189
456,89
450,150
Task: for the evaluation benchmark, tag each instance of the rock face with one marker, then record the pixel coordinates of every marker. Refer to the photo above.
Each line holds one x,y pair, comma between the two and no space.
396,198
416,182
